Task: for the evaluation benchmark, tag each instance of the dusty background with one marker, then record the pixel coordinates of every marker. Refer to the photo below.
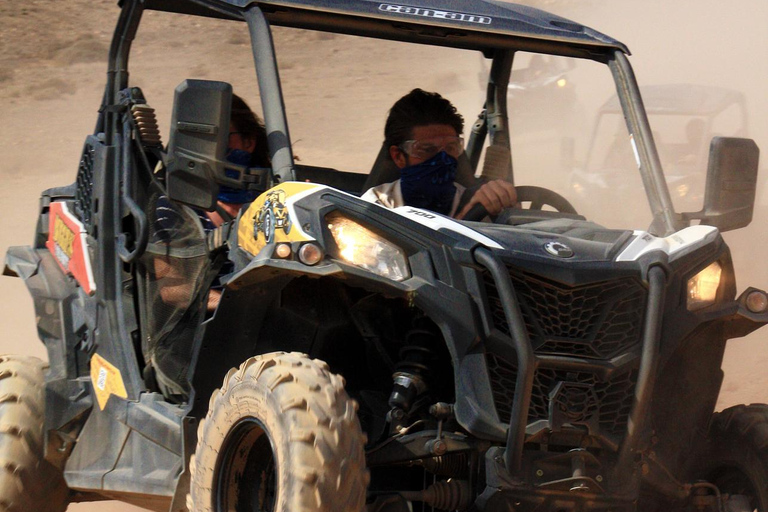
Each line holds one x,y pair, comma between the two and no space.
52,69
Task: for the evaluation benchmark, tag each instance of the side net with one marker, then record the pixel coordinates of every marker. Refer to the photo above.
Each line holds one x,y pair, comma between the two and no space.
175,266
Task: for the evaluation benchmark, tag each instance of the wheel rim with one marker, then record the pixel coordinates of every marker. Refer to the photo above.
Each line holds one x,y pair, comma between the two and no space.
246,472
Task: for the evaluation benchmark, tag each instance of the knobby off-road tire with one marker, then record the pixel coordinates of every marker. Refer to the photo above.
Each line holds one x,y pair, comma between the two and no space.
281,435
738,453
27,481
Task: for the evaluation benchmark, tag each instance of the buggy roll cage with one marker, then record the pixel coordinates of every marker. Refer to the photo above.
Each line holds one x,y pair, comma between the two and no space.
495,29
518,28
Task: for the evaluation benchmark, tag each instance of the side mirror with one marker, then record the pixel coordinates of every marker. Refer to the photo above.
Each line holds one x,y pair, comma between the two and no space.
729,198
198,141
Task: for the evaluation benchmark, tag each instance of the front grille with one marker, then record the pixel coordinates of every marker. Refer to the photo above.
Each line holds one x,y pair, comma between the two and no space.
597,321
567,397
84,192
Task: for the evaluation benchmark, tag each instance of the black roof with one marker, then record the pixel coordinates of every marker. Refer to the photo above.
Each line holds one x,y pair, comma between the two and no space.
472,24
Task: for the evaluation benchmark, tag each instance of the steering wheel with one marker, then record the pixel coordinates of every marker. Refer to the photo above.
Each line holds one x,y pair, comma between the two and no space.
537,196
540,197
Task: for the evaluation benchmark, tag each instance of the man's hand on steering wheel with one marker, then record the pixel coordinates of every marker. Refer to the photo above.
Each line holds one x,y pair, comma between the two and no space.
495,196
536,197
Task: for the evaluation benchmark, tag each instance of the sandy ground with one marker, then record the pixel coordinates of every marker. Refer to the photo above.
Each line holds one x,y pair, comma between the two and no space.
52,69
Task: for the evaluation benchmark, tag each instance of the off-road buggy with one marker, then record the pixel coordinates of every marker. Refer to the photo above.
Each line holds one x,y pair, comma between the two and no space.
375,359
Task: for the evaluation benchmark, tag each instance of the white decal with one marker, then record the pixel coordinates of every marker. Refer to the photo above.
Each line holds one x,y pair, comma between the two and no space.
434,13
644,243
101,383
423,217
634,150
61,256
438,222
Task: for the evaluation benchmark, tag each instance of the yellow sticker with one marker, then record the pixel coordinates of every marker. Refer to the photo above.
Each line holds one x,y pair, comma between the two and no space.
269,218
106,380
64,238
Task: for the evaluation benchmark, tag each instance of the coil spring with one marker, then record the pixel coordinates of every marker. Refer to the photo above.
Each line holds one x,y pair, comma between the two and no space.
146,123
417,353
412,373
453,465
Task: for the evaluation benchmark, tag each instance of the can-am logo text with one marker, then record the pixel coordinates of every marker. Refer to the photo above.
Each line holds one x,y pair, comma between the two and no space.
433,13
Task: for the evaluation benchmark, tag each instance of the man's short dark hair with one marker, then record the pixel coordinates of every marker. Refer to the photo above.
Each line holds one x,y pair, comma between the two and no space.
419,108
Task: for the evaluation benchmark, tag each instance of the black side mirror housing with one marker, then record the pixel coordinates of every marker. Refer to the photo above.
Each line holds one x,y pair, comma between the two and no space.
729,198
198,141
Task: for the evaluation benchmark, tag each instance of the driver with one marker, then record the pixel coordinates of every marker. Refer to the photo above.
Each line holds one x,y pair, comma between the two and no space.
423,135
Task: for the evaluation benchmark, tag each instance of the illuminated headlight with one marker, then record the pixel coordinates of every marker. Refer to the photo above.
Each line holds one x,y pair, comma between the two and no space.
363,248
702,288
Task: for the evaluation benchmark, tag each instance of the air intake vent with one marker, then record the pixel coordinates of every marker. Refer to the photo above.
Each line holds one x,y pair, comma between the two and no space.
595,321
567,397
84,192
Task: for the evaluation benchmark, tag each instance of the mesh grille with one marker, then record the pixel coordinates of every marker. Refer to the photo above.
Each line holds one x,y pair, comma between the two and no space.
84,192
593,321
599,320
572,397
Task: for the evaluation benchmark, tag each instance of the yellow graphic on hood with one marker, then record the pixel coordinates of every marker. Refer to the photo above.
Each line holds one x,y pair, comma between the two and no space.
106,380
268,219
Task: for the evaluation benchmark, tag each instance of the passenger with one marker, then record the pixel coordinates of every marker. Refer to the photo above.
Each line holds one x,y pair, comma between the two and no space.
177,262
247,146
695,130
423,133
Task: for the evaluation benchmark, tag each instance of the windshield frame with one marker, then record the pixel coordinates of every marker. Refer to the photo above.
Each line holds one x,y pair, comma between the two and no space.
495,124
492,122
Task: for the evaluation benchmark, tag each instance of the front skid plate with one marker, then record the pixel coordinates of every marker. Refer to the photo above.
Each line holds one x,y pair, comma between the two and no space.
503,492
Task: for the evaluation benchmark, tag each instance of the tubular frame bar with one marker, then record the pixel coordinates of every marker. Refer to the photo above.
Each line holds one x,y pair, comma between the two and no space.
117,67
272,102
650,165
526,360
649,361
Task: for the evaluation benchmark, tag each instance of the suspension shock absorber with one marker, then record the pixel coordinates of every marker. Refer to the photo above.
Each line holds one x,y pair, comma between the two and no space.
413,372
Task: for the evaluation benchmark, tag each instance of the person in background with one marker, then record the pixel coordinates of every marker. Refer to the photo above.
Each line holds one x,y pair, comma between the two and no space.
423,133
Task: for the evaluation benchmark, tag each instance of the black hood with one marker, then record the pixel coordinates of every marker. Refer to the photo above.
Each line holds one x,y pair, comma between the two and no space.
559,239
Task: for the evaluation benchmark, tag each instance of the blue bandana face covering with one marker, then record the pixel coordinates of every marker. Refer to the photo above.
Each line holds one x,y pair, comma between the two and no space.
429,185
236,195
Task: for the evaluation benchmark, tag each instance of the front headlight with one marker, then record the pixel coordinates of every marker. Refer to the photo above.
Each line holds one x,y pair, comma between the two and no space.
702,288
363,248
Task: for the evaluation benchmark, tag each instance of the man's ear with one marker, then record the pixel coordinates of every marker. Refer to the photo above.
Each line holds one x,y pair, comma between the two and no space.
398,156
249,144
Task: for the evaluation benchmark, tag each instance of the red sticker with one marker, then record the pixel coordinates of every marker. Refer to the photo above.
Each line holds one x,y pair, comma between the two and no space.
66,241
